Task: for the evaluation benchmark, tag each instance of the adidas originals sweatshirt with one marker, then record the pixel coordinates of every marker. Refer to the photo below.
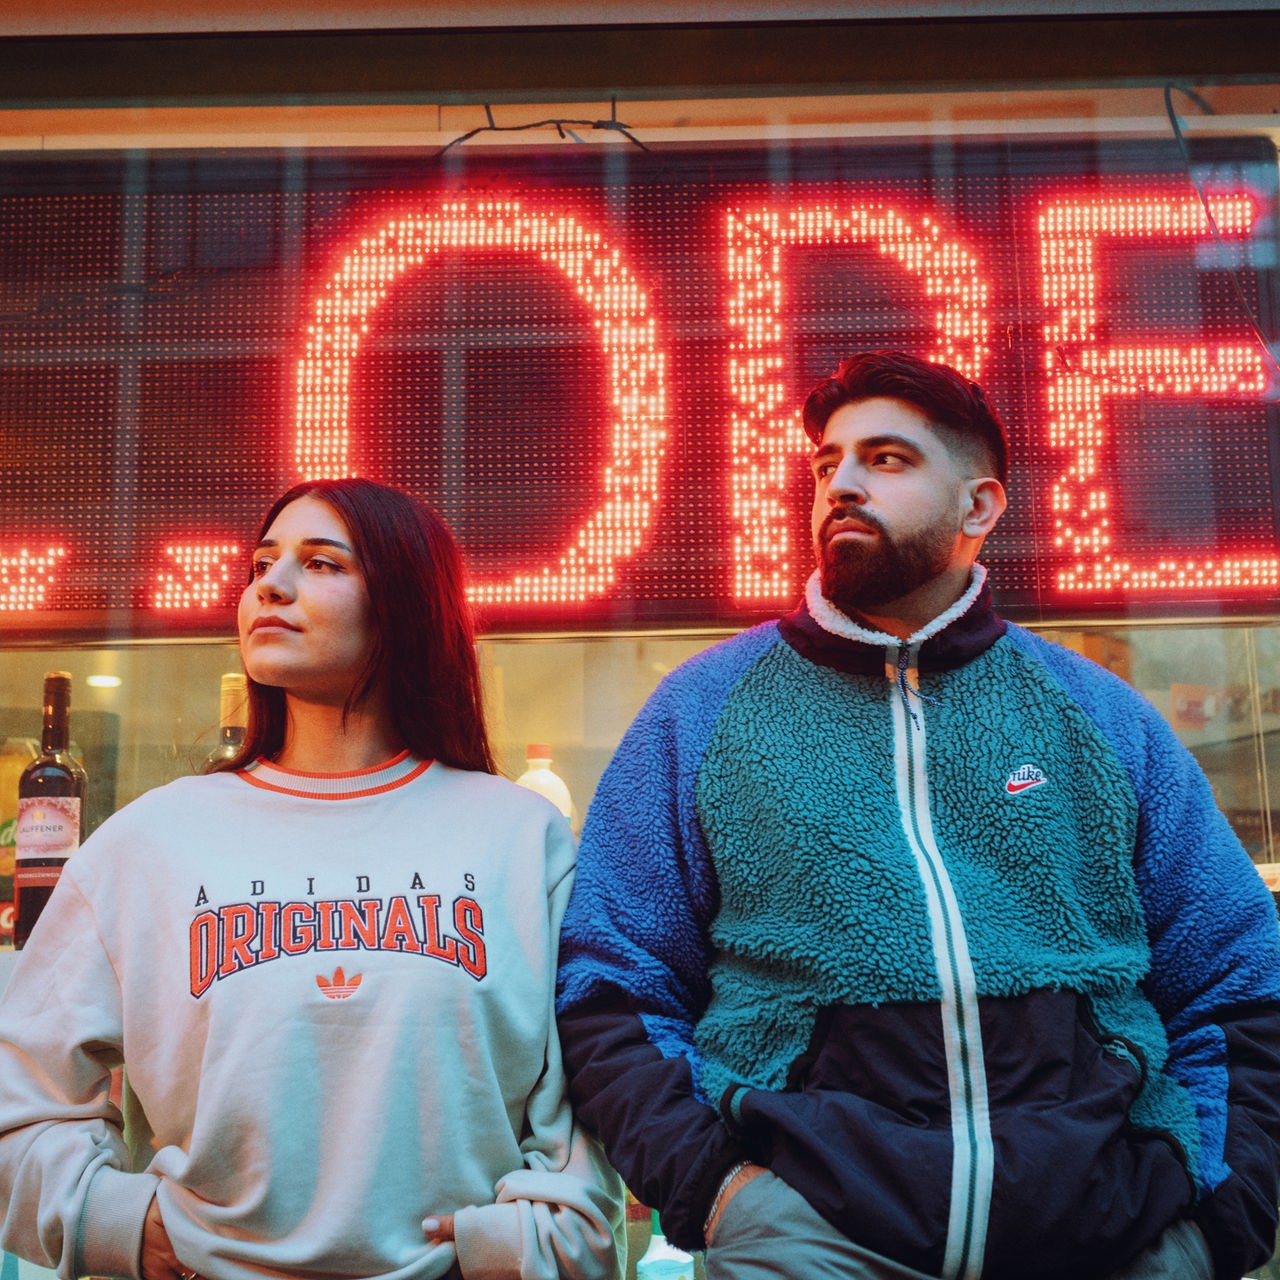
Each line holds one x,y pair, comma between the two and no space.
332,996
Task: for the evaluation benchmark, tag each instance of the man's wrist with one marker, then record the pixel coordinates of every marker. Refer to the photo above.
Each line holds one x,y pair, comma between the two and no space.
732,1182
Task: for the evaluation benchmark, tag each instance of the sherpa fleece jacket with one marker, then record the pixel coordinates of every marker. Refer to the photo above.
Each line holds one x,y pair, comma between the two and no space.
332,994
948,933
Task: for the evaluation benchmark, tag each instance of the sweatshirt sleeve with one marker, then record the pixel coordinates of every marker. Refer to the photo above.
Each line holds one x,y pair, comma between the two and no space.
69,1201
635,953
560,1215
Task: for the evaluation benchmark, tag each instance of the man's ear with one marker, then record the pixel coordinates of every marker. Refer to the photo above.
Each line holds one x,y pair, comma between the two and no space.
986,504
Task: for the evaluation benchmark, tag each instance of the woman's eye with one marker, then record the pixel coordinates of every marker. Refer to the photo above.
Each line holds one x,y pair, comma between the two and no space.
259,567
320,565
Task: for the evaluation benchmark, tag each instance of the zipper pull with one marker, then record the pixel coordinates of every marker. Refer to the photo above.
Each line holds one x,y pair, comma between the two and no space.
904,685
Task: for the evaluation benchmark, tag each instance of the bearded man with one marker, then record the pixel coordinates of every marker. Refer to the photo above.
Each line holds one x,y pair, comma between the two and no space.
905,943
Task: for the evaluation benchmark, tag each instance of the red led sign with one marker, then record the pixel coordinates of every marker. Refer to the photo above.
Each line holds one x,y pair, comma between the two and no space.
595,375
620,315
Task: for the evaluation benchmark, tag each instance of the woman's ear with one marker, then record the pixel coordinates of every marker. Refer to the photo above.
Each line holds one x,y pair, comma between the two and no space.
986,504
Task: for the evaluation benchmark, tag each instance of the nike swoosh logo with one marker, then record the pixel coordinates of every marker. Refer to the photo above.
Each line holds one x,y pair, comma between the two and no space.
1014,787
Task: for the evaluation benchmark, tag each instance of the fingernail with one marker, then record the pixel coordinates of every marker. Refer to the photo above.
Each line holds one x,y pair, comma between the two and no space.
431,1224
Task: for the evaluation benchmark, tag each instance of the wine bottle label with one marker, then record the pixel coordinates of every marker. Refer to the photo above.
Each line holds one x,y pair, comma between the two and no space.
25,876
48,827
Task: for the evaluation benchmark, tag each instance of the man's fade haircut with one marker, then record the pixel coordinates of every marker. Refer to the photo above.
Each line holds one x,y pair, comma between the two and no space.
956,407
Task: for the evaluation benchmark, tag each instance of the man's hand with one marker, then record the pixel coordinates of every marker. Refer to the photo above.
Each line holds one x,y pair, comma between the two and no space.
158,1260
731,1189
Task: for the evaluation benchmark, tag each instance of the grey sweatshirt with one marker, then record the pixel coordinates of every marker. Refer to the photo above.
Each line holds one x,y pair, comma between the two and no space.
332,995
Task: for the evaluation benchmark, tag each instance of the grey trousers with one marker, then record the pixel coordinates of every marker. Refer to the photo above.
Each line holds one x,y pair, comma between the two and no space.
769,1232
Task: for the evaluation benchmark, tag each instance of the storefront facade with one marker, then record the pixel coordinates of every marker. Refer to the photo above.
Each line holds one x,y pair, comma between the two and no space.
569,279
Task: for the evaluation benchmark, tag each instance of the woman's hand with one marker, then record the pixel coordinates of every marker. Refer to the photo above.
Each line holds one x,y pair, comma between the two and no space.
438,1228
158,1260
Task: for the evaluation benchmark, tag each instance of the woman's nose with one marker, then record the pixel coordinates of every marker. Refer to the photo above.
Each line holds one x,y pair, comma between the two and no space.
273,585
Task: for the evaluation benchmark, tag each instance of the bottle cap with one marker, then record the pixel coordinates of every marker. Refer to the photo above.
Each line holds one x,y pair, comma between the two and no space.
57,688
538,751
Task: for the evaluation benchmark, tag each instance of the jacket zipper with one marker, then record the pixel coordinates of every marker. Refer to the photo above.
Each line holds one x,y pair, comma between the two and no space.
973,1155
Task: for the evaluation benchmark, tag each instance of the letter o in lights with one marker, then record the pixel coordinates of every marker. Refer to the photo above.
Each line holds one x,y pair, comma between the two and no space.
620,310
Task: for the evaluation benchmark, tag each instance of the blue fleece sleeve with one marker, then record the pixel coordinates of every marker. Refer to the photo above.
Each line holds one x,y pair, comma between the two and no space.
634,951
1215,961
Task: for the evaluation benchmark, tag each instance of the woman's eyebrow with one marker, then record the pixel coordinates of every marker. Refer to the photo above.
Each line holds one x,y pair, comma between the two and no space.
307,542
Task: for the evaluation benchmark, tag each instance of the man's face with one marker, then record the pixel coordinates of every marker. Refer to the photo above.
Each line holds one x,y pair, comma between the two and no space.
888,507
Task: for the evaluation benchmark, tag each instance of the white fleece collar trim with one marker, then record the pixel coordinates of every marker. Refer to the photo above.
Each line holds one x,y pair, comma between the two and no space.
834,620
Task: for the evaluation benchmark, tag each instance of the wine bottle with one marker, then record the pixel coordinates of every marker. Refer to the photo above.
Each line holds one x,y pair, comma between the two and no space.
15,755
51,810
233,716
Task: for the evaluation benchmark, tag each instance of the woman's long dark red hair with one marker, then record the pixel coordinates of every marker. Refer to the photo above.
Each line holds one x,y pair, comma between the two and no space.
424,656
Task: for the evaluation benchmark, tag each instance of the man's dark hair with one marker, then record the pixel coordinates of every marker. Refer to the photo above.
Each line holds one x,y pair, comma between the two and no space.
956,407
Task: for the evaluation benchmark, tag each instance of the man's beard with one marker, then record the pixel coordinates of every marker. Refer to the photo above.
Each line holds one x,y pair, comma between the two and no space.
859,573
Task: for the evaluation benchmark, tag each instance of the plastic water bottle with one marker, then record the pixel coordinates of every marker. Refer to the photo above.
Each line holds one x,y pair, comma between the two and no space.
663,1261
540,777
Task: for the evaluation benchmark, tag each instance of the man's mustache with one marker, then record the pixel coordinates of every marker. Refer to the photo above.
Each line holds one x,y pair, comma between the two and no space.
859,515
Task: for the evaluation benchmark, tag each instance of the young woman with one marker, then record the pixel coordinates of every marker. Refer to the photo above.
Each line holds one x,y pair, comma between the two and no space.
328,970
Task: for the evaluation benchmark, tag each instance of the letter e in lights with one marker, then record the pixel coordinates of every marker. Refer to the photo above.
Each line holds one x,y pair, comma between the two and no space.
765,430
620,309
1082,372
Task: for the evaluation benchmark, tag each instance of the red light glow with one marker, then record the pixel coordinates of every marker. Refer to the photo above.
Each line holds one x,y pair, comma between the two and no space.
765,431
203,574
627,333
1083,372
25,578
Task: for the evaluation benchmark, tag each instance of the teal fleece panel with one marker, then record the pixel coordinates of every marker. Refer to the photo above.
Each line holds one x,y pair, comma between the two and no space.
821,901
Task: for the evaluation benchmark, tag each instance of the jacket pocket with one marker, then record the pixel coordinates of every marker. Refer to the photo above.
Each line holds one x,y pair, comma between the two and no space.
865,1132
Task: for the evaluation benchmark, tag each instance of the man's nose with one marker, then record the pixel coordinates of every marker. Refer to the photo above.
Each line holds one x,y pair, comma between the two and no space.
846,484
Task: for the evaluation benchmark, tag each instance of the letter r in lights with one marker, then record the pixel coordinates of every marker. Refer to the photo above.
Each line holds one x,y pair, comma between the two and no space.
1082,373
25,578
766,431
627,332
203,573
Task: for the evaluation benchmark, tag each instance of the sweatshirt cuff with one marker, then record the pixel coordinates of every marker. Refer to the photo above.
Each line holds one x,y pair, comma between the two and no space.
115,1212
487,1238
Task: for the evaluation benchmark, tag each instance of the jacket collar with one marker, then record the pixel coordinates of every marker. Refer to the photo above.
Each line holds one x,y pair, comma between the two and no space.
819,631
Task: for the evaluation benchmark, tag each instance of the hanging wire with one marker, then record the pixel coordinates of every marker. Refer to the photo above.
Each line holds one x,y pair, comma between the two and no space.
564,127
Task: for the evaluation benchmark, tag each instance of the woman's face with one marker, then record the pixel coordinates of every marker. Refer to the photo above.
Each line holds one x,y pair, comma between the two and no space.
304,618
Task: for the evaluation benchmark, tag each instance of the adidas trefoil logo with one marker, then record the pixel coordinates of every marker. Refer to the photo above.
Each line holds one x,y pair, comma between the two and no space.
1024,779
339,987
